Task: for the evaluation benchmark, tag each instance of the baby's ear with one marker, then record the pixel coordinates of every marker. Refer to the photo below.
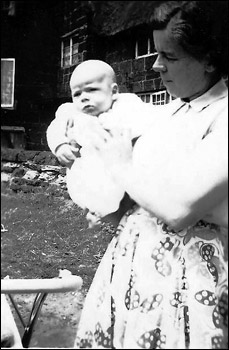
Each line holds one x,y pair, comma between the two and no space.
115,91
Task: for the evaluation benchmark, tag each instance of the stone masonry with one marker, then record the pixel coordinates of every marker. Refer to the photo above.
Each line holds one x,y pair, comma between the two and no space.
32,171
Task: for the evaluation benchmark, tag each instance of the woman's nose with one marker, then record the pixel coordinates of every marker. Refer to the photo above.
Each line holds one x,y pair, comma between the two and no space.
158,65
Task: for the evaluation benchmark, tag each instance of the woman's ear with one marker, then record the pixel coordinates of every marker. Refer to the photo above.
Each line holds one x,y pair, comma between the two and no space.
115,91
210,68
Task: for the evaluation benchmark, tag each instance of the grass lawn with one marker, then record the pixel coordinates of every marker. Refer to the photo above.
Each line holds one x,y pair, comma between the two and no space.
42,233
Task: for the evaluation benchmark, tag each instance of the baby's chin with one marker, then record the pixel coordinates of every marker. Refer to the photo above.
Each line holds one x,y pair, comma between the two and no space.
95,114
91,110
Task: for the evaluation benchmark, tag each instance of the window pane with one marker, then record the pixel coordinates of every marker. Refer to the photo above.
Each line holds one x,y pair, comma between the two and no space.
66,52
157,98
7,82
66,43
66,56
66,61
142,46
75,40
152,48
75,48
75,58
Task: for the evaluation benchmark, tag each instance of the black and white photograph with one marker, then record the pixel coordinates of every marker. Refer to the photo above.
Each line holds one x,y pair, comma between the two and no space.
114,174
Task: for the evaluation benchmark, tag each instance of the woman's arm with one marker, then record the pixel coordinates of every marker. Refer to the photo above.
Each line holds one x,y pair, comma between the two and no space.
178,186
183,187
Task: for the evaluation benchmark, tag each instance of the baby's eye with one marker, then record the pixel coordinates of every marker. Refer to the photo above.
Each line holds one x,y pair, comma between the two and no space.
76,94
92,89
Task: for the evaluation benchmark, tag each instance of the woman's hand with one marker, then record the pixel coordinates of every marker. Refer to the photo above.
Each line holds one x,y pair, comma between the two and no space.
86,130
115,149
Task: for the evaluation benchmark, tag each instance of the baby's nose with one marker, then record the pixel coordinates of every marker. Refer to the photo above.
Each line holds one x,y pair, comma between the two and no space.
84,96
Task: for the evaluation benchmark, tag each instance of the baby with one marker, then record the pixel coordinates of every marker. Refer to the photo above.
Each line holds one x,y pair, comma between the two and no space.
95,95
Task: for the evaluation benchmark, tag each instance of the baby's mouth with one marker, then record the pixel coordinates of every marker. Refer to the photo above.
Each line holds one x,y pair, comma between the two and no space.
88,109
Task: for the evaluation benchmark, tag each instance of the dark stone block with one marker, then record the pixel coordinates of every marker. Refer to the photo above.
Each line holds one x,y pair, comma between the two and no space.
19,172
10,155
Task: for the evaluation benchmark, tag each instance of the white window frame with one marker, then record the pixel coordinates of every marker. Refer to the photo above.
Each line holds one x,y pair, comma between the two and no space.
149,53
160,96
7,91
71,51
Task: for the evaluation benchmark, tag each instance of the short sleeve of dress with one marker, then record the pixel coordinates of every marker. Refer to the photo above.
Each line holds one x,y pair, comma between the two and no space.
219,129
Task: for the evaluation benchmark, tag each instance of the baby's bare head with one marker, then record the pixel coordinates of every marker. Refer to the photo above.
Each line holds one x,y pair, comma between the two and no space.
92,70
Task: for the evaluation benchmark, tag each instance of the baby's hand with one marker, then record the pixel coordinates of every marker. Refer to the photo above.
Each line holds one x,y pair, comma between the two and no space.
66,154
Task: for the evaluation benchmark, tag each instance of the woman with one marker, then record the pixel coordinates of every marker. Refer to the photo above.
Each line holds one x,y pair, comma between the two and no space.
162,282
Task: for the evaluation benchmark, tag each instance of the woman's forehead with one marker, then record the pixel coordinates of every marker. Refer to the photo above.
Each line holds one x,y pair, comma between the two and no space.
165,42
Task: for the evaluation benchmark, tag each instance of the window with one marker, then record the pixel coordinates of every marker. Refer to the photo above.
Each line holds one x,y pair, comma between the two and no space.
144,47
7,82
9,7
156,98
69,51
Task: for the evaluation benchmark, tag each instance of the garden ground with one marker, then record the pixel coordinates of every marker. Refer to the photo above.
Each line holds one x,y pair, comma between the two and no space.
42,233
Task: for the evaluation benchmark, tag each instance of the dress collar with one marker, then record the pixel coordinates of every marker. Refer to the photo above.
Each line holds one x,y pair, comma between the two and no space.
218,91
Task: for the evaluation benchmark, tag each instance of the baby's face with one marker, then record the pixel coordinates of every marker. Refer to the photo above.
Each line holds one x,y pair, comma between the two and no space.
92,93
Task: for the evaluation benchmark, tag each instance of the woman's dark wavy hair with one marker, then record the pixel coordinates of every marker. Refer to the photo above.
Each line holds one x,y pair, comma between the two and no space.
200,27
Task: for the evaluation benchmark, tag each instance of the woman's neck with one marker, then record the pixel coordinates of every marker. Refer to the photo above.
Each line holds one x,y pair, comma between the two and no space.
214,79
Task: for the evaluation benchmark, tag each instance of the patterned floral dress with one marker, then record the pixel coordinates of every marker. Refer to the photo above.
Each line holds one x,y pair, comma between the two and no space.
158,289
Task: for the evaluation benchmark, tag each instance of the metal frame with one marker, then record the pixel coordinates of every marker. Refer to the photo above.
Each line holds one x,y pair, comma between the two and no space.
42,287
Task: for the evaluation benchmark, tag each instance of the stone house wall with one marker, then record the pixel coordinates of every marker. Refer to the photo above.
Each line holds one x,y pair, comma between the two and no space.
75,21
133,75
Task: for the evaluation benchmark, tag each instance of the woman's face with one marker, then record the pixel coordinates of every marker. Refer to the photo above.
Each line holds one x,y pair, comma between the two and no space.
182,75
